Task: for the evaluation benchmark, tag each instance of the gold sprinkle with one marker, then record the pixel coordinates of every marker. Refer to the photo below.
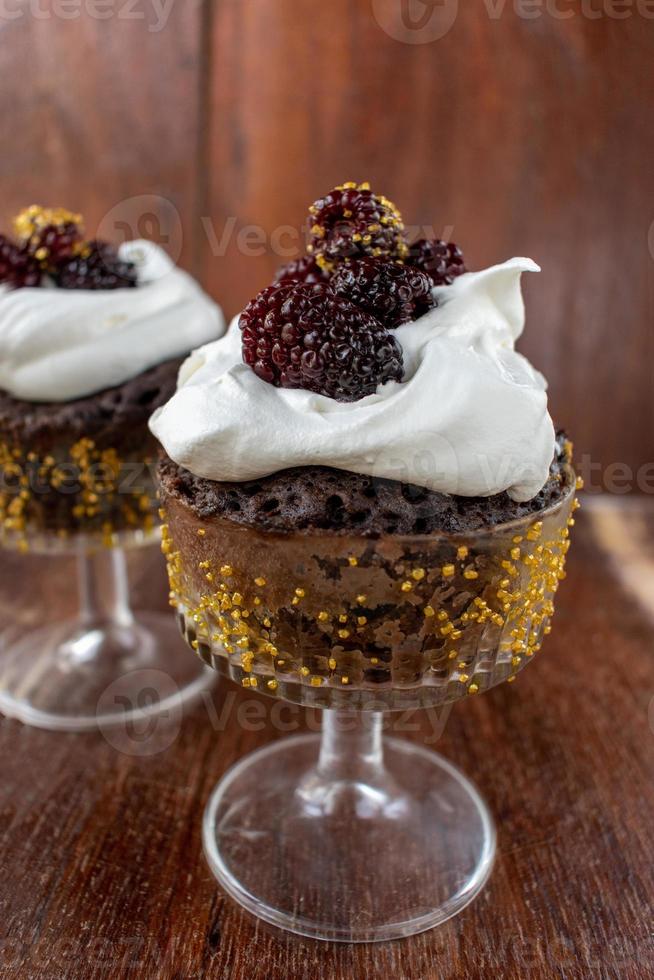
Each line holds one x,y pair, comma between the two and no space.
515,553
237,599
345,679
353,561
305,671
226,570
418,574
332,663
273,684
448,571
473,688
462,552
463,678
343,634
260,581
323,616
429,612
201,532
362,620
406,586
342,618
300,593
316,681
361,599
470,573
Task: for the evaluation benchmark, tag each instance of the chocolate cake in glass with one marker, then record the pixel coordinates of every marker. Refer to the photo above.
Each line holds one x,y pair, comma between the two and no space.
91,340
366,509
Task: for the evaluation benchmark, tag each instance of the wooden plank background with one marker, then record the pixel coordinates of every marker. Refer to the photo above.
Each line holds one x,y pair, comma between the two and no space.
515,134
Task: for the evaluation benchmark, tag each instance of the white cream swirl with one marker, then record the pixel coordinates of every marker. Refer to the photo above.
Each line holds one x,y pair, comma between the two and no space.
470,418
59,344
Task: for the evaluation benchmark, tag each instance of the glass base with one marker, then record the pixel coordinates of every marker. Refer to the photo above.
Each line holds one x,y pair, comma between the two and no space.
74,677
357,852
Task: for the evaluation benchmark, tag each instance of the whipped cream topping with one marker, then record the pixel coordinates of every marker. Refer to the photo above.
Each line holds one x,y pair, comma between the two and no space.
470,418
58,344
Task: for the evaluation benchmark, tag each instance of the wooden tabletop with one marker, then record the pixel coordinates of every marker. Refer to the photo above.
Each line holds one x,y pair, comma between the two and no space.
102,869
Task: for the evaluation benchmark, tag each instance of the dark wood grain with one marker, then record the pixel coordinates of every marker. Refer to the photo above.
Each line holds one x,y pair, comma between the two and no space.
102,116
516,135
102,870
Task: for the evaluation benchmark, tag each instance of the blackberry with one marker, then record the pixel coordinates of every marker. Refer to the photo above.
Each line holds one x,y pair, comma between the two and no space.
390,292
50,235
307,336
17,267
305,269
98,267
351,222
443,261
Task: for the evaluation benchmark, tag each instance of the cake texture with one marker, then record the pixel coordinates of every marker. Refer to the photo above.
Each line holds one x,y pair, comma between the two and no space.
334,617
321,499
83,465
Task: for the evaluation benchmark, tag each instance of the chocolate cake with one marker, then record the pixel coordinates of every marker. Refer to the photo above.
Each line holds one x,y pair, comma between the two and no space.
340,617
85,464
319,499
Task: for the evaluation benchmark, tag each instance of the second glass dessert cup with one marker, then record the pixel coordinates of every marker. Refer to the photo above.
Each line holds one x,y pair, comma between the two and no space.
108,665
348,836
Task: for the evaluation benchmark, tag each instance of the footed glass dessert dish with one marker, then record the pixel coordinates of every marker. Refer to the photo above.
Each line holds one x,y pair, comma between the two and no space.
349,836
108,665
91,339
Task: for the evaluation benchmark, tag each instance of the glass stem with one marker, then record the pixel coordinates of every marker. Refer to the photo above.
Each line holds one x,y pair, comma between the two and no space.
351,746
103,588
